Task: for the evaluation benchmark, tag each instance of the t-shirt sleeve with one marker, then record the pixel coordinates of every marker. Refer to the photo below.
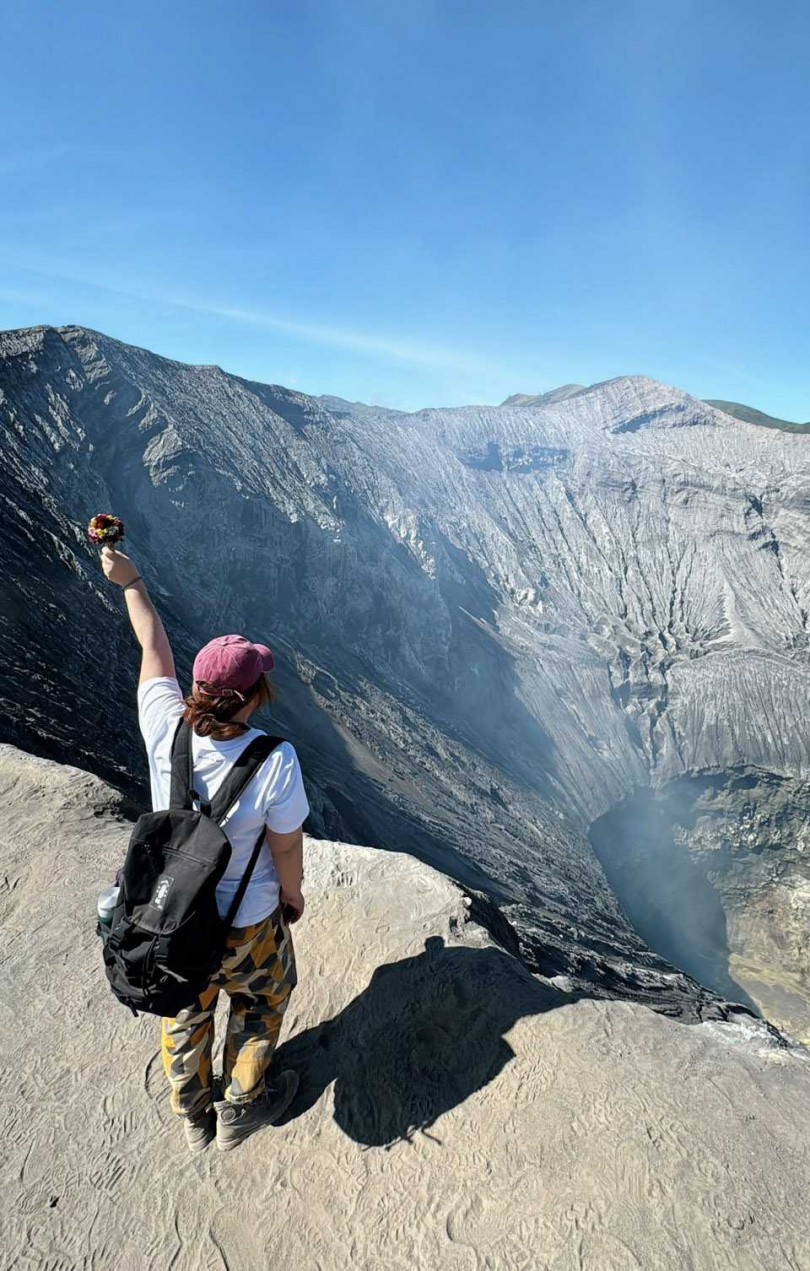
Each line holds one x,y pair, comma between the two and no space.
160,705
285,806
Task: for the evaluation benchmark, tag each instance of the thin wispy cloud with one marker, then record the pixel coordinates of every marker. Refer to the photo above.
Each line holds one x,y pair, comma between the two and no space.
345,338
388,347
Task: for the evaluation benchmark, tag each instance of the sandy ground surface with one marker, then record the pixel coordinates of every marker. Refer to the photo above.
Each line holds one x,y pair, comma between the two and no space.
454,1112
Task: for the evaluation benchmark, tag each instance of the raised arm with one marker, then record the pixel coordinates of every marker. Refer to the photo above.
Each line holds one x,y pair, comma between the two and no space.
149,630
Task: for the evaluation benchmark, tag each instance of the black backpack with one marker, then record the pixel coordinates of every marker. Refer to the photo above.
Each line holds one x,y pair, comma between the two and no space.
166,938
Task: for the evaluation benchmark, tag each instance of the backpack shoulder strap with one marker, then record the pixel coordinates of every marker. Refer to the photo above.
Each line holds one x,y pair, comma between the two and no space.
239,894
241,774
237,780
182,790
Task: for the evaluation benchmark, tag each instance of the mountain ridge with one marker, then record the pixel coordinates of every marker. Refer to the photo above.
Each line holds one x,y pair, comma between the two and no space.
342,406
736,410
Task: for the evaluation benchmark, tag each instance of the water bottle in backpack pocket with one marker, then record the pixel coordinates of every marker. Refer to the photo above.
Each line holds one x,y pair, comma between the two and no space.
105,908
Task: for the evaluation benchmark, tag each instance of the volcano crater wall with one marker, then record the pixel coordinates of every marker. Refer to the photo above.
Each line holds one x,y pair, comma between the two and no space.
493,624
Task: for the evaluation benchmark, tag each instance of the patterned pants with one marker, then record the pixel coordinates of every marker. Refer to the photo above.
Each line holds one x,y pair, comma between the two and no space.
258,974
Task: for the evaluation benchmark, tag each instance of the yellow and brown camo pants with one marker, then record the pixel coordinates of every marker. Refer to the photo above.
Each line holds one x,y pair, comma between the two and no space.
258,974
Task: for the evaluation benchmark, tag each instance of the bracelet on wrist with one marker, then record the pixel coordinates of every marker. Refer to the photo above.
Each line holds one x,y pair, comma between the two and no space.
132,582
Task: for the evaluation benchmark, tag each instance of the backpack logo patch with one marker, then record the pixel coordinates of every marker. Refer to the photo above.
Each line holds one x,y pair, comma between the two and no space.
164,886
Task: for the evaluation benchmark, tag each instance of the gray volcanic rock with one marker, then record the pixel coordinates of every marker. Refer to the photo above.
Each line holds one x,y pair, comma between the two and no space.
454,1110
495,625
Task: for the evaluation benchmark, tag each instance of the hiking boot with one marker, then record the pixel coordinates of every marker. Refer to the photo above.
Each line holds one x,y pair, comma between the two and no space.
235,1121
200,1129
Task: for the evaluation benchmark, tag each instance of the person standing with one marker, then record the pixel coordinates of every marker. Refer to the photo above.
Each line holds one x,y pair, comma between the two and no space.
258,972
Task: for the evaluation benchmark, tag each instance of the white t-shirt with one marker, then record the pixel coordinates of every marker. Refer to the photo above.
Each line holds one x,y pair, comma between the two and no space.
275,797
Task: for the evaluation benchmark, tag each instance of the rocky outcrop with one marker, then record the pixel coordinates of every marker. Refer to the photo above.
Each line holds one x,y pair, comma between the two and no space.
494,625
454,1110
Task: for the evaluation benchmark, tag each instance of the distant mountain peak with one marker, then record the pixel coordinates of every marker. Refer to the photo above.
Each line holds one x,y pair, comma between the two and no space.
560,394
345,409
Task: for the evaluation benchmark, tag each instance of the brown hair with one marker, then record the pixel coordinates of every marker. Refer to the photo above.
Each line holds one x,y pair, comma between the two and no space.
212,716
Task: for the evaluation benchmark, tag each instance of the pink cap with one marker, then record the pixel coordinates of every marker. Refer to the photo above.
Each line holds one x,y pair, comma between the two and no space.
231,664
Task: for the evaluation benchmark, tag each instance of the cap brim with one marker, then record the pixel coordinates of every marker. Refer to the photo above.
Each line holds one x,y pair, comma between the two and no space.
268,661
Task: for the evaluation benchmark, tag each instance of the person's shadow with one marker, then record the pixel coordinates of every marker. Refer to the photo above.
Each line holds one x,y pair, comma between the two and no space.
425,1034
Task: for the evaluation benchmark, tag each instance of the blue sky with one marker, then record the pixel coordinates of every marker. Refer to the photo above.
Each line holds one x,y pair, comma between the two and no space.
422,201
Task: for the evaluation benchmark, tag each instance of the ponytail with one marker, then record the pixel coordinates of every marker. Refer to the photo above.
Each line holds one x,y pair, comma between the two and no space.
211,715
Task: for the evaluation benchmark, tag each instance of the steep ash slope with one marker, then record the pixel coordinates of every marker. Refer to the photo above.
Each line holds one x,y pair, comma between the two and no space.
496,625
638,525
454,1111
